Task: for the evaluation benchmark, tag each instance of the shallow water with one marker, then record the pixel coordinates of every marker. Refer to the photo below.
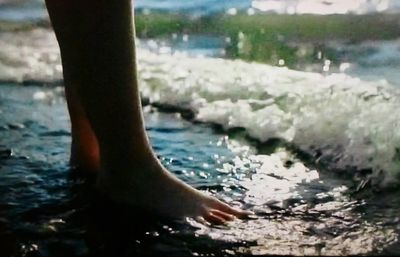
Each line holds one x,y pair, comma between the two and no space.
47,211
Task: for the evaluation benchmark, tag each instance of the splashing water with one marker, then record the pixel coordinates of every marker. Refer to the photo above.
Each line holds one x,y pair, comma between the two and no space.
345,122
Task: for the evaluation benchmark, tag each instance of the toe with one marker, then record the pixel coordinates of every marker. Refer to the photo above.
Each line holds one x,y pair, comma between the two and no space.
223,207
223,215
214,219
201,220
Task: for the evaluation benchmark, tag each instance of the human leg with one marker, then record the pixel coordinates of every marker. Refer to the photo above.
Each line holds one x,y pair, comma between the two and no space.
96,39
85,156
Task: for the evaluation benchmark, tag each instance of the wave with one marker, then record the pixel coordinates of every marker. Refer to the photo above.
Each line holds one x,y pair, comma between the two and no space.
341,120
344,121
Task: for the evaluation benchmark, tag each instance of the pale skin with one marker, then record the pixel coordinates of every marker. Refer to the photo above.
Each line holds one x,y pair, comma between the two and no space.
96,39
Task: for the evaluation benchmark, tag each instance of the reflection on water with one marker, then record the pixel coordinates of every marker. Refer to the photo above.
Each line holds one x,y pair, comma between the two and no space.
301,212
44,211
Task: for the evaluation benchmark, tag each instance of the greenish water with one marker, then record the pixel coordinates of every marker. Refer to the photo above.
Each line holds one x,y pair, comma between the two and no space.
299,40
302,42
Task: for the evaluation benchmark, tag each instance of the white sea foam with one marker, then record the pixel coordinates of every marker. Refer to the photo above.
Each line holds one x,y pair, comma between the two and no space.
347,121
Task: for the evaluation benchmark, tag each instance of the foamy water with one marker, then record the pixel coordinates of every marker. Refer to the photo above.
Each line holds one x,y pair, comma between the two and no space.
343,121
347,122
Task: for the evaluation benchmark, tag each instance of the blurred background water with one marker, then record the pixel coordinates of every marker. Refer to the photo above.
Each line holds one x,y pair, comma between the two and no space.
288,108
33,9
336,47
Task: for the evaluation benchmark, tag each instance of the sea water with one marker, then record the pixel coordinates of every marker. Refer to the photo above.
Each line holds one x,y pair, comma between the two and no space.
24,10
30,10
314,156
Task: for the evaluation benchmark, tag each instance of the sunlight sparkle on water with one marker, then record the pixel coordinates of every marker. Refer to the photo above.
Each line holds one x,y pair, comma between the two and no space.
294,218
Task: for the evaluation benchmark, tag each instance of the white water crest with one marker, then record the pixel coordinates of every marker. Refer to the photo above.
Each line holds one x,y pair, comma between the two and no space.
347,122
342,120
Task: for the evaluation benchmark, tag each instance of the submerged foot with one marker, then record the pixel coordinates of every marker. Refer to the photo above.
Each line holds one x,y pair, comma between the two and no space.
155,189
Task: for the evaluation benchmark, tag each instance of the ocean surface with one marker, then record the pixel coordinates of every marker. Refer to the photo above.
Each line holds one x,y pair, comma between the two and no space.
314,154
20,10
300,209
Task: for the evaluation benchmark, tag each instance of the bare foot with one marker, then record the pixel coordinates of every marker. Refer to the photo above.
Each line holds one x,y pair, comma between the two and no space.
155,189
96,40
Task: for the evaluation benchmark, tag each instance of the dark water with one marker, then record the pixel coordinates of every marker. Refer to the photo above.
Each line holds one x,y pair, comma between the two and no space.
46,210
